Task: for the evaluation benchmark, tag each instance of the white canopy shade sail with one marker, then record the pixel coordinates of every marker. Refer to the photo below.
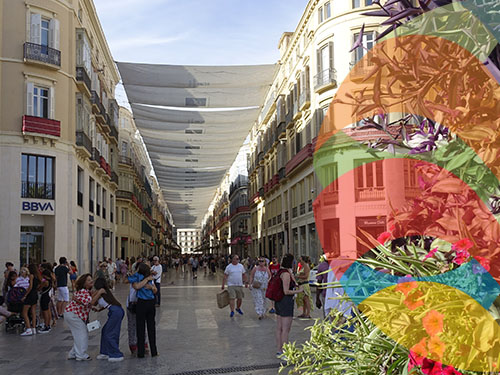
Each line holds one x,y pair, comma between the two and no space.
193,120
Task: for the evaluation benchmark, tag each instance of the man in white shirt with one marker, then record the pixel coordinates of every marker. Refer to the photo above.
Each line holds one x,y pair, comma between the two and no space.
235,276
156,271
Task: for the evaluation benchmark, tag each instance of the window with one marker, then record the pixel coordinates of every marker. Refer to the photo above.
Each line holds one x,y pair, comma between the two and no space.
44,32
79,183
111,207
328,10
320,15
98,207
91,194
37,177
124,216
356,3
367,44
104,204
39,101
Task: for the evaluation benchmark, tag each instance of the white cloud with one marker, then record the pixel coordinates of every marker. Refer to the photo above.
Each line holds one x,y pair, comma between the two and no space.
144,41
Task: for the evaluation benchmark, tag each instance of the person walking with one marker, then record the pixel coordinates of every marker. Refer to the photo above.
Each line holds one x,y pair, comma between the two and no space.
304,299
110,333
45,300
156,271
284,308
112,273
142,281
77,314
61,272
235,276
74,275
123,271
194,267
30,300
259,278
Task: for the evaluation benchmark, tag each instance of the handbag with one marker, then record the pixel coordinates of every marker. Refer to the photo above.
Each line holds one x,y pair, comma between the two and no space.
92,326
256,284
223,299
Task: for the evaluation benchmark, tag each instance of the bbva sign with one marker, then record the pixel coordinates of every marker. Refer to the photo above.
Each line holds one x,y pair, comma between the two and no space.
37,206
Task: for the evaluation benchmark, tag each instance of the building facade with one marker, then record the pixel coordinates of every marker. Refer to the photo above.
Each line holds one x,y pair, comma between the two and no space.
189,239
144,223
58,134
282,182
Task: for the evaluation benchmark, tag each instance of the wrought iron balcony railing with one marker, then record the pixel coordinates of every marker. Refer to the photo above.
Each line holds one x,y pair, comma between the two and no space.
44,54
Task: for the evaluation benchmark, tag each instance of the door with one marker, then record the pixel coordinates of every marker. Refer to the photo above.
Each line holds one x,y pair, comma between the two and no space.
31,245
91,248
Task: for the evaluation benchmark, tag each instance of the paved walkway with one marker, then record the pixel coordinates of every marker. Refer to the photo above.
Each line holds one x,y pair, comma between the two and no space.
192,335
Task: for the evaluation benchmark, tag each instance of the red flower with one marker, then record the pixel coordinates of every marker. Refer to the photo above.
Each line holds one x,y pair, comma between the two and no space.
406,288
383,237
433,322
463,244
413,301
461,257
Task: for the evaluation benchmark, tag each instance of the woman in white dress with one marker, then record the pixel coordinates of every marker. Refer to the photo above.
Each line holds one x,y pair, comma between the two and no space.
259,278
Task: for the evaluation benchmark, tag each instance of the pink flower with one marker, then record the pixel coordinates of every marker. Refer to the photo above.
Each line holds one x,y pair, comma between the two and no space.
462,245
431,253
461,257
383,237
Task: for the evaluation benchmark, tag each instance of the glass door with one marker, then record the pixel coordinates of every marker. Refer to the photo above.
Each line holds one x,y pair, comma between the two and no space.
31,245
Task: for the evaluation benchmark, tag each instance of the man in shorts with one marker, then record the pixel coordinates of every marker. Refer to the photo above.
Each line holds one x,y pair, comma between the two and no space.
235,275
61,272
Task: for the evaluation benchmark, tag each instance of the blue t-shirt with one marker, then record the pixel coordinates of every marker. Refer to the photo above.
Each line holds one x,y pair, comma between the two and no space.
142,293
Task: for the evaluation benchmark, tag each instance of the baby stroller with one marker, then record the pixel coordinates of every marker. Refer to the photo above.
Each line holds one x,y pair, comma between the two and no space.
15,306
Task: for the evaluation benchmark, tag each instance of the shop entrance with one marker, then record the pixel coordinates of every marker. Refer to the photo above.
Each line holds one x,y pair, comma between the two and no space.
31,250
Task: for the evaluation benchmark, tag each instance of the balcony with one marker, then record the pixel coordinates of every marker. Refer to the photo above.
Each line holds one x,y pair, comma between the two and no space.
83,80
113,131
325,80
296,112
95,158
122,194
282,173
41,126
367,194
83,142
37,190
261,192
114,178
42,54
299,158
97,107
331,197
105,166
304,100
289,117
125,160
359,69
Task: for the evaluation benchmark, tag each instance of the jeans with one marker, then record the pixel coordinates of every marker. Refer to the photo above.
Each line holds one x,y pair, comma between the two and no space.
110,334
158,293
145,314
80,335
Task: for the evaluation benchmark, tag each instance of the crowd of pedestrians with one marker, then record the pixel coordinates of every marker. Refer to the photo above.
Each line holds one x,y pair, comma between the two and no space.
47,285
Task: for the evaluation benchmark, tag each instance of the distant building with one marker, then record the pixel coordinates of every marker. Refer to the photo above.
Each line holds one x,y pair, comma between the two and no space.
189,239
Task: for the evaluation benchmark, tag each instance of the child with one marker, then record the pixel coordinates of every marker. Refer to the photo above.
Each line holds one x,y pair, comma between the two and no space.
23,281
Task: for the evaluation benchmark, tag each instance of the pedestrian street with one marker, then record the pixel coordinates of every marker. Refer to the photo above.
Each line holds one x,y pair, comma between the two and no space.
193,334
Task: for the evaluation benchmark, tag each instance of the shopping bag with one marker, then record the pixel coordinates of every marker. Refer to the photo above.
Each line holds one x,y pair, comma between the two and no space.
223,299
92,326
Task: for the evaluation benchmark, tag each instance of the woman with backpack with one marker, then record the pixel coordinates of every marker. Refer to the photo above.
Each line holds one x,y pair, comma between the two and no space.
284,305
30,300
110,333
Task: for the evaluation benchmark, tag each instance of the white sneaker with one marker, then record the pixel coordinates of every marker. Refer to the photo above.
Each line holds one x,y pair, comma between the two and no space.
103,356
27,332
119,359
88,358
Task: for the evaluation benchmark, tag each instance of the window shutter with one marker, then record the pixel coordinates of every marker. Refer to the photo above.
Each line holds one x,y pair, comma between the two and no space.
36,28
330,49
29,98
318,61
54,33
52,104
303,82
